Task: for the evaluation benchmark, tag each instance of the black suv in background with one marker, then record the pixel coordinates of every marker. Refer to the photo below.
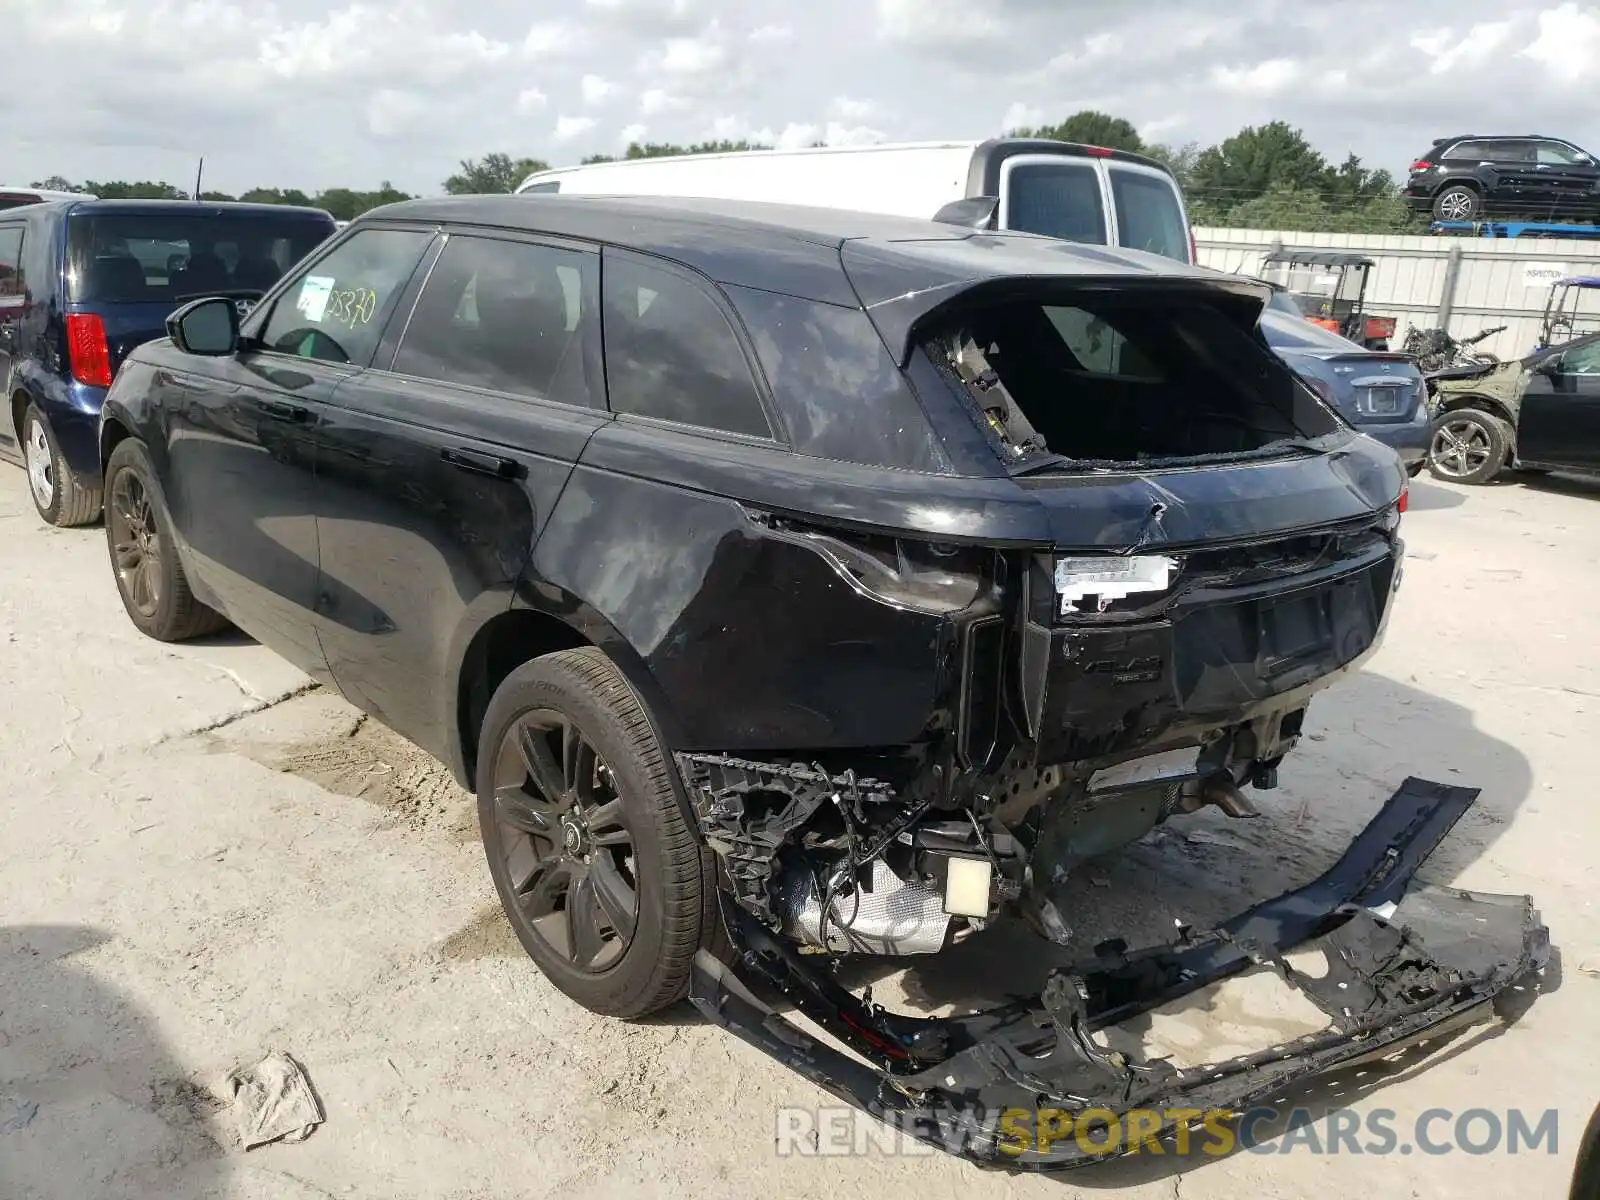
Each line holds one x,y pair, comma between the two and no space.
84,281
1474,176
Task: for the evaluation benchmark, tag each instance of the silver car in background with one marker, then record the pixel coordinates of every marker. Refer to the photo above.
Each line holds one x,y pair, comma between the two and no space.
1381,393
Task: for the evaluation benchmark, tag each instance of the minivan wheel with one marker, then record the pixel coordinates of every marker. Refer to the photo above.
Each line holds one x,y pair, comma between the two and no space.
144,560
1469,446
57,493
607,886
1458,202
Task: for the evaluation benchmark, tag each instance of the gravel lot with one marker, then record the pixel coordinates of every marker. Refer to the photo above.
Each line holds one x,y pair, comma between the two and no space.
202,859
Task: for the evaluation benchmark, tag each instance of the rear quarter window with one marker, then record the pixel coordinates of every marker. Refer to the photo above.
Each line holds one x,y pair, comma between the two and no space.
671,353
836,385
12,282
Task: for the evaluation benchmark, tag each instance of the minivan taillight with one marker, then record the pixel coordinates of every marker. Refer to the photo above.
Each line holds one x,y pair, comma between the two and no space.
87,351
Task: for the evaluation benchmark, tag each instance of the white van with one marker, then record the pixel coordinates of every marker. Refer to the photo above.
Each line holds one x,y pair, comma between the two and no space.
1060,189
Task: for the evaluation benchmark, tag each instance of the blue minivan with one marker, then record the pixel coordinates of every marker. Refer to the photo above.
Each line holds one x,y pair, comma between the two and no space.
82,282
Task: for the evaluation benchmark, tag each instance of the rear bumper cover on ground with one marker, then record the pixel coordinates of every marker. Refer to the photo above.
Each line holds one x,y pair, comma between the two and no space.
1402,966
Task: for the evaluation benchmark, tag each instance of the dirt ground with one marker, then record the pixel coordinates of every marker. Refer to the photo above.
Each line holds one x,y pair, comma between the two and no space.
203,860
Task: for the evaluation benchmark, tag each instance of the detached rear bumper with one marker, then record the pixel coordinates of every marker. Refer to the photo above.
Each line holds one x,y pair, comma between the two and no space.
1401,967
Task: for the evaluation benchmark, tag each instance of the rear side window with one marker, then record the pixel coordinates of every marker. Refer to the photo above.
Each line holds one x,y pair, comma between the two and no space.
672,354
12,200
1510,151
138,258
1149,216
507,316
338,307
1060,200
12,282
1471,151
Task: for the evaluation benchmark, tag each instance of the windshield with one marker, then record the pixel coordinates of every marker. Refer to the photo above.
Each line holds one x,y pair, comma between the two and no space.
172,257
1149,216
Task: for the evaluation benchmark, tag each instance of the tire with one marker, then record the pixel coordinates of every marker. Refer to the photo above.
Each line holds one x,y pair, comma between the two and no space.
1458,202
144,557
671,872
58,494
1483,442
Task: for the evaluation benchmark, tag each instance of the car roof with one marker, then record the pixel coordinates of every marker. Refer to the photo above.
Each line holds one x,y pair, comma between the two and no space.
790,248
209,208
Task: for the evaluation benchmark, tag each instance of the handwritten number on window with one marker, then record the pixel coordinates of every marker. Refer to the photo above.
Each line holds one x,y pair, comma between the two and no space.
352,306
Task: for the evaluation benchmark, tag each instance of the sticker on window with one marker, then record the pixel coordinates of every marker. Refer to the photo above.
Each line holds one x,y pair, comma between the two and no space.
314,293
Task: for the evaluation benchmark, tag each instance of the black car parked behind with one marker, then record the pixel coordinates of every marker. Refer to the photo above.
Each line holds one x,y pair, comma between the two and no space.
1475,176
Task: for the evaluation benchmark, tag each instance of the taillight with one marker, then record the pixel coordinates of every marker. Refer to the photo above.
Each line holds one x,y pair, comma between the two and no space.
87,350
1422,164
1322,389
1405,497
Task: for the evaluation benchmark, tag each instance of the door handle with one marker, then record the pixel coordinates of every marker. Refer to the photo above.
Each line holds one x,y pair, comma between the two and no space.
479,462
286,412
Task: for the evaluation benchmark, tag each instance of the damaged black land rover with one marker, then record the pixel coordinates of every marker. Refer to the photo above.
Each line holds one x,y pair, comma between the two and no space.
792,583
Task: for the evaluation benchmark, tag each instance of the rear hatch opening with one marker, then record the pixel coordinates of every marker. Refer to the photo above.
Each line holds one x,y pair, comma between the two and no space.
1089,379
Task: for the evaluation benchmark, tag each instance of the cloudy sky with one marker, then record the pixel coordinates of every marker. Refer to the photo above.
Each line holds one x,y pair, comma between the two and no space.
316,93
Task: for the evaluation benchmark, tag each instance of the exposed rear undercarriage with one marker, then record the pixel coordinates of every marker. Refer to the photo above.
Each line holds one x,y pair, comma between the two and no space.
1401,967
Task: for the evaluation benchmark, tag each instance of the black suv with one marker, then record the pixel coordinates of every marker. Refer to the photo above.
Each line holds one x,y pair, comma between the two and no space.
84,281
1467,178
804,580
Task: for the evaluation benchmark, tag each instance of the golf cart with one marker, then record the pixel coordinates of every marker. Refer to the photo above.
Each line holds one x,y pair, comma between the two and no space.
1562,319
1330,287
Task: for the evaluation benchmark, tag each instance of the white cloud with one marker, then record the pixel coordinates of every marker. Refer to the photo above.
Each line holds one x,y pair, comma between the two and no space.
766,35
1568,42
633,133
531,100
571,128
596,89
1263,79
1021,115
548,39
845,108
1475,48
698,55
656,101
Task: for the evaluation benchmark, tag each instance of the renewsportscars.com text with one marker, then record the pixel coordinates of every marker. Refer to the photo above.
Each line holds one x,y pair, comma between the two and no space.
837,1131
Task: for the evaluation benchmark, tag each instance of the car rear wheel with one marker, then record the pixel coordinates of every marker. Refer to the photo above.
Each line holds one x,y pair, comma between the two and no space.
1469,446
58,495
607,886
144,560
1458,202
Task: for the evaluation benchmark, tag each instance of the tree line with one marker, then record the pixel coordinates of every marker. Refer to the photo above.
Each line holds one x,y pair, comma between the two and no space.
1263,177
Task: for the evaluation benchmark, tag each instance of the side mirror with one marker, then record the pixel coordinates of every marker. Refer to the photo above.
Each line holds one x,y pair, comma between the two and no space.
1548,366
207,327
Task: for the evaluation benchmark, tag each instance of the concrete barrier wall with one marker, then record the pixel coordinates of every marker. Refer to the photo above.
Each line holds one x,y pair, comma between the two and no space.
1473,283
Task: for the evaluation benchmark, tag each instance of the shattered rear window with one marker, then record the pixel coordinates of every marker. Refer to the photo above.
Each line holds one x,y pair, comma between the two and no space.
1112,379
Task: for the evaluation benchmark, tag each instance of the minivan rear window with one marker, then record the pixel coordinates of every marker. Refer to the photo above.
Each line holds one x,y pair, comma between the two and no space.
1148,214
171,258
1059,200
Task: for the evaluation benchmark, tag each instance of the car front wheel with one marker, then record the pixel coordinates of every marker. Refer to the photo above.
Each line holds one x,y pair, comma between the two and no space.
58,495
607,886
1469,446
144,559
